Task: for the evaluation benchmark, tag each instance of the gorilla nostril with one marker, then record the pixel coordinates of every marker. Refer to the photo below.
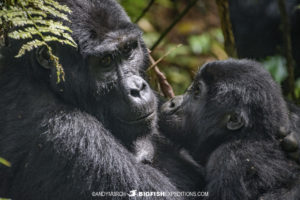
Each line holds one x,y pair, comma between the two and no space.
143,86
172,104
135,93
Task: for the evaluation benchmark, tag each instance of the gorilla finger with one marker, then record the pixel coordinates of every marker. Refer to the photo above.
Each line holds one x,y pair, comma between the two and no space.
290,143
295,156
283,132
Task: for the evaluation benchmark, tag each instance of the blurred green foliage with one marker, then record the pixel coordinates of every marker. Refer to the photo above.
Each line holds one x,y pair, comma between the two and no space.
276,65
297,88
133,7
200,40
199,33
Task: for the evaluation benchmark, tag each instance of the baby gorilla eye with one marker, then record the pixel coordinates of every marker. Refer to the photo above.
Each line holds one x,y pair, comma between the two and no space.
197,90
106,61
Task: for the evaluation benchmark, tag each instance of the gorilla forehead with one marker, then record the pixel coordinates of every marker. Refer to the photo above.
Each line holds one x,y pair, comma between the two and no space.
242,78
246,71
91,10
94,21
242,84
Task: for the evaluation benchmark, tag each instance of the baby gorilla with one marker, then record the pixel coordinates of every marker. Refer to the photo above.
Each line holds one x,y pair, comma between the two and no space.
231,115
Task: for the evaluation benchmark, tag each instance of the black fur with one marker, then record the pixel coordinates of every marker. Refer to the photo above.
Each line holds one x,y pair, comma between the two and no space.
246,161
93,131
256,28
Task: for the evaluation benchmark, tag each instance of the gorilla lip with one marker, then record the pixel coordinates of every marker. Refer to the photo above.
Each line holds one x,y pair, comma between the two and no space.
175,111
140,119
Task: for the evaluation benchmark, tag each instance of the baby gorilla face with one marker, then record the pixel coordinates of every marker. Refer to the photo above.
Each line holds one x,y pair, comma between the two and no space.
171,119
228,100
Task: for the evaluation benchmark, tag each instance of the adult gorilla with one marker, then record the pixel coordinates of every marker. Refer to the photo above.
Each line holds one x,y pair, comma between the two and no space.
90,132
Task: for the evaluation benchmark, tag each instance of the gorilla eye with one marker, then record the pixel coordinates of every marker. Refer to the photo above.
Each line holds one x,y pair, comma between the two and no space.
93,34
129,46
134,44
126,48
197,90
106,61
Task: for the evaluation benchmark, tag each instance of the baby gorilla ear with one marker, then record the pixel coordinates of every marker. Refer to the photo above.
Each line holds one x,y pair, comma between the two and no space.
235,121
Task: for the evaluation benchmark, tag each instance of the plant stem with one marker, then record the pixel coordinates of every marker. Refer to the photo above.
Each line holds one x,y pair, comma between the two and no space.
182,14
145,11
226,25
286,30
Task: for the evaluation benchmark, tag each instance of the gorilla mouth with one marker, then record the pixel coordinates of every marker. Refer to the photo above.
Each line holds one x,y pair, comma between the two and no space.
149,116
178,110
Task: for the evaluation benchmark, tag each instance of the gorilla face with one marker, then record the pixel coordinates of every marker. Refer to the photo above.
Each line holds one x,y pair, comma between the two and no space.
171,119
228,100
107,70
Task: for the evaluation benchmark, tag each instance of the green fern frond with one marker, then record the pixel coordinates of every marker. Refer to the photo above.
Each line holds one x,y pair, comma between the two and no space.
20,34
69,37
13,12
62,41
49,9
30,31
30,18
58,6
5,162
30,46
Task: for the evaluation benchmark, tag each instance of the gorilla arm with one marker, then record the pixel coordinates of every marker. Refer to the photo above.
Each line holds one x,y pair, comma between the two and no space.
76,153
243,170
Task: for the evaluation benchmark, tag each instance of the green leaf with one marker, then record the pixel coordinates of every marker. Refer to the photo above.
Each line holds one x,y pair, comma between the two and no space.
5,162
62,41
30,19
30,46
200,44
51,10
58,6
276,65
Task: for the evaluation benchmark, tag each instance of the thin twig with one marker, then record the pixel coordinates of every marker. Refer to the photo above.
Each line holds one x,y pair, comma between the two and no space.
145,11
165,86
286,30
226,28
163,57
182,14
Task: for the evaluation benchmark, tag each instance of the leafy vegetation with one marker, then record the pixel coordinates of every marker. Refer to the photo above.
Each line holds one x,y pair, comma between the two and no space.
198,33
30,20
276,65
5,162
201,37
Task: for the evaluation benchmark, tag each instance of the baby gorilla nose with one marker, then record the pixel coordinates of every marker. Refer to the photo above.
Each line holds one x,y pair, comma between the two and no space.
172,105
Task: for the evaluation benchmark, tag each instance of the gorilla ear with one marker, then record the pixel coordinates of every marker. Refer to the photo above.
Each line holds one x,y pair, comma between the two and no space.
43,58
235,122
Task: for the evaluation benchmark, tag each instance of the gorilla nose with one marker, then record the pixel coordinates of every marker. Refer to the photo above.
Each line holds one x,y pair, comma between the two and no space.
136,87
138,90
172,105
